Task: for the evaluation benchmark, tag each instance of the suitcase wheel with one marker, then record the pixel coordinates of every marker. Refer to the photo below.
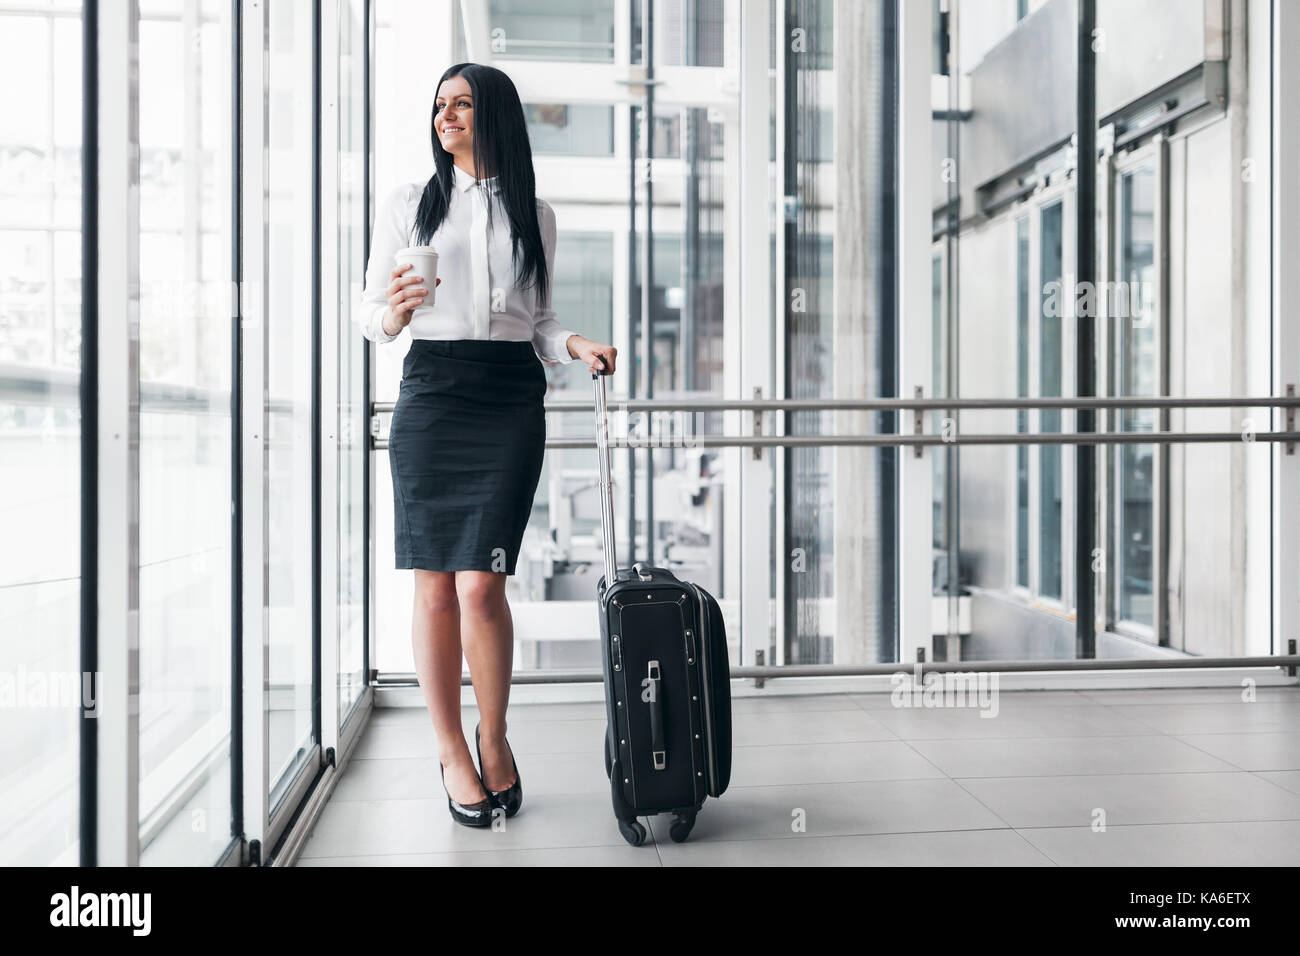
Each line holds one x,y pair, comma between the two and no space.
633,833
681,826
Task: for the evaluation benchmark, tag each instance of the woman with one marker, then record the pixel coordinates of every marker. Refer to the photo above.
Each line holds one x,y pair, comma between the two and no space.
468,429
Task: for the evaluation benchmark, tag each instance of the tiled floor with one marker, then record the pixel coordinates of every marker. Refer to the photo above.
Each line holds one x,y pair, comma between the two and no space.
1068,778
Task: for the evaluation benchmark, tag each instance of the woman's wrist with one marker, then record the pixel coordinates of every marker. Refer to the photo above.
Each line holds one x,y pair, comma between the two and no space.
571,343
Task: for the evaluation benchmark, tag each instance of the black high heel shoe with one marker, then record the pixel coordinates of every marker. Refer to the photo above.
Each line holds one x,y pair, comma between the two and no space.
477,814
511,798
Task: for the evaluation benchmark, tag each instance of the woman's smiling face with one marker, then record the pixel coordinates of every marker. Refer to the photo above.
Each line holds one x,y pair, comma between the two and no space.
455,119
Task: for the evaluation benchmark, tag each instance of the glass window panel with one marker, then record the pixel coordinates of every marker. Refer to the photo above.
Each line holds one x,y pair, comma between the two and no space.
1136,373
289,389
40,435
185,433
1050,488
838,546
938,460
1022,390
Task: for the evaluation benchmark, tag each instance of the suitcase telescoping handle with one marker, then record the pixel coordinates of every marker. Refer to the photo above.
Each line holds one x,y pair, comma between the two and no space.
606,483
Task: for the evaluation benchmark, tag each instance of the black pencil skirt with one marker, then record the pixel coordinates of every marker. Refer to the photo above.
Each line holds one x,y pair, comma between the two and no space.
465,445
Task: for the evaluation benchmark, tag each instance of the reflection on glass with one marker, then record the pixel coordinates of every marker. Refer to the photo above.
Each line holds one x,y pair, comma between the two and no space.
289,387
576,30
568,129
1051,305
1136,373
40,433
687,32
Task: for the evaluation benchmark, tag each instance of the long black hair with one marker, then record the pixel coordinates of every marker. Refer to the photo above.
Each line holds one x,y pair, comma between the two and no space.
501,148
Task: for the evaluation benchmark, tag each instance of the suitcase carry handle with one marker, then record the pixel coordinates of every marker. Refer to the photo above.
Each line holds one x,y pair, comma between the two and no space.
606,483
654,683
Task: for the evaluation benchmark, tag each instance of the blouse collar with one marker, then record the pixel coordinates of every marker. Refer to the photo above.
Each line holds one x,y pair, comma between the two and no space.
466,182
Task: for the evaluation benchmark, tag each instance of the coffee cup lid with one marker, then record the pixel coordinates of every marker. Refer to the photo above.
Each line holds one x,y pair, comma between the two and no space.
424,250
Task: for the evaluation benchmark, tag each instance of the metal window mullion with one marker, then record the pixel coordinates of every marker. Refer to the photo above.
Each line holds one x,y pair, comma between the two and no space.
255,215
1011,488
648,261
1033,388
330,322
1106,454
312,597
1076,564
236,429
1069,385
915,339
622,249
118,474
1161,454
776,384
633,146
734,519
1286,292
952,330
367,352
755,345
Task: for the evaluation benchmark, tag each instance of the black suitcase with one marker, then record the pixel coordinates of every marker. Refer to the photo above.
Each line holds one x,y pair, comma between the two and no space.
667,682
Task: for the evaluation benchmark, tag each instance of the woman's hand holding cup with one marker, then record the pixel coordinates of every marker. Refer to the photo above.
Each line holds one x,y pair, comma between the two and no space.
405,295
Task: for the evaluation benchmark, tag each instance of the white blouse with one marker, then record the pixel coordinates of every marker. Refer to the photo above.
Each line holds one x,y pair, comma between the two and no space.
478,298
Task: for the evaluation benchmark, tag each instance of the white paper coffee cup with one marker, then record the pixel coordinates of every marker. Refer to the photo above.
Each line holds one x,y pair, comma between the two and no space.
424,263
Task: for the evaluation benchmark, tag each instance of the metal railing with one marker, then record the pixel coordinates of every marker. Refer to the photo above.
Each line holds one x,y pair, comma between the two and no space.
593,676
919,406
904,404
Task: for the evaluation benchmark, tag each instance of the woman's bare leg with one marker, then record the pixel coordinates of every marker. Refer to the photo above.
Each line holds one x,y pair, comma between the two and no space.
435,641
487,631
